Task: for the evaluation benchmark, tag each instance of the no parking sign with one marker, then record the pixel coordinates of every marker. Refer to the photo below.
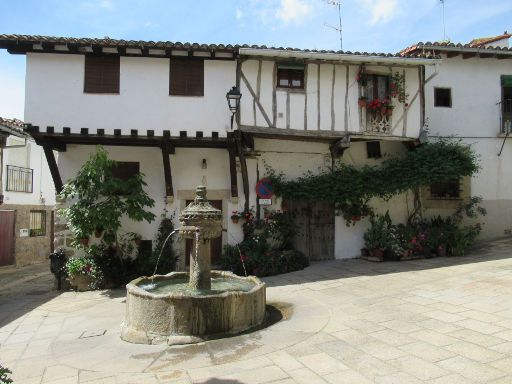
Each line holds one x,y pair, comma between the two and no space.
264,189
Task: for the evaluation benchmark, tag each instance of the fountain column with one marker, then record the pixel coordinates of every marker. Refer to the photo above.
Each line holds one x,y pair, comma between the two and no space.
200,221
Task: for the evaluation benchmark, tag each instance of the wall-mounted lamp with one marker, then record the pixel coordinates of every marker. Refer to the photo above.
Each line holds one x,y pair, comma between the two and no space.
233,97
203,164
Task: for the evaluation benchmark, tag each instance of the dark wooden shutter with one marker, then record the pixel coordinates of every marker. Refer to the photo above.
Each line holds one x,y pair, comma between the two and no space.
101,74
186,77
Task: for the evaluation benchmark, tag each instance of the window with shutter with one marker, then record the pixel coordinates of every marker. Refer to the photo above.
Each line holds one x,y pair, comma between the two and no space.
290,75
101,74
186,77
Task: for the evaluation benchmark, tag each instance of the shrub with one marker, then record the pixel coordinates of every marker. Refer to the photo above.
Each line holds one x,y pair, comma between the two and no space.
4,375
85,266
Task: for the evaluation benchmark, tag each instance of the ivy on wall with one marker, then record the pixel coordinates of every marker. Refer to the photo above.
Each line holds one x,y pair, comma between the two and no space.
350,187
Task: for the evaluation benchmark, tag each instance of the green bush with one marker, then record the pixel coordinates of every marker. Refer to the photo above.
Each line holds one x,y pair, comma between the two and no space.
4,375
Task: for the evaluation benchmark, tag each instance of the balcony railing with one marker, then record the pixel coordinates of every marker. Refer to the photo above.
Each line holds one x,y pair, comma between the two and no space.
506,115
377,122
19,179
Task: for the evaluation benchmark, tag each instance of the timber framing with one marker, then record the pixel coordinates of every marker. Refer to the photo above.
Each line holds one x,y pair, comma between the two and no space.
58,141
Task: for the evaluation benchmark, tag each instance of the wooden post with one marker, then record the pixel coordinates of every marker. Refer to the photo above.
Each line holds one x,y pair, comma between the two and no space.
54,170
232,166
169,191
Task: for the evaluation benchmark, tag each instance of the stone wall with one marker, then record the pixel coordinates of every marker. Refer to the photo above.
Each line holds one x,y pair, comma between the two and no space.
30,250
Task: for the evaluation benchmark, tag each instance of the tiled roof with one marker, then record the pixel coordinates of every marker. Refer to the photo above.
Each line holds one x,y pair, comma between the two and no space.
13,126
430,48
24,41
487,40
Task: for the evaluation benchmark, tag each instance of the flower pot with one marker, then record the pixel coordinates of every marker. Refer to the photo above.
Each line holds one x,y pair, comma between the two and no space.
391,256
389,112
441,251
361,103
427,253
234,220
377,253
84,241
356,218
80,283
98,233
365,252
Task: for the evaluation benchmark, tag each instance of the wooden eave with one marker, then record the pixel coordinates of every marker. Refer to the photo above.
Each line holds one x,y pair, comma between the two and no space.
59,141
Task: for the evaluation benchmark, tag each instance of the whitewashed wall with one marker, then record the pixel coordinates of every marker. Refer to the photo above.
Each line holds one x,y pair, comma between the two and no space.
321,106
474,116
30,156
55,97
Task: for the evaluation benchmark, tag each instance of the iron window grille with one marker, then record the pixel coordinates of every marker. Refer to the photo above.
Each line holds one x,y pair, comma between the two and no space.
37,223
19,179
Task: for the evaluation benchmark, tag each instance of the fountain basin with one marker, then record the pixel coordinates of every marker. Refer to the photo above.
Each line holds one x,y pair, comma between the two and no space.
180,316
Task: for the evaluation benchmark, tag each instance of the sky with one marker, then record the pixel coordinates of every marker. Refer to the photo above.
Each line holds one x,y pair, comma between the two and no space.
368,25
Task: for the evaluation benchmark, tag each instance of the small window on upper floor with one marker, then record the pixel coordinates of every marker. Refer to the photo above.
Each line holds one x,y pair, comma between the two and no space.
186,77
445,190
101,74
290,75
124,171
377,87
442,97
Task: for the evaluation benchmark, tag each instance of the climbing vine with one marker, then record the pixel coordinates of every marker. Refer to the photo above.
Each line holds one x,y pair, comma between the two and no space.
350,188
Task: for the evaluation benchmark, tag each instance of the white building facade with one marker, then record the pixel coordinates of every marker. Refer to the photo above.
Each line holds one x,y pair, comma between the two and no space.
164,108
469,96
28,198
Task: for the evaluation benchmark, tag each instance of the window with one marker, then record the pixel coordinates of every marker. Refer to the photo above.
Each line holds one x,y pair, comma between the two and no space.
186,77
290,75
37,223
506,103
19,179
377,87
449,189
442,97
373,149
124,171
101,74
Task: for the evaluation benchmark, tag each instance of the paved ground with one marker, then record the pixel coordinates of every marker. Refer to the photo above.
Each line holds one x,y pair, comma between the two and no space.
445,320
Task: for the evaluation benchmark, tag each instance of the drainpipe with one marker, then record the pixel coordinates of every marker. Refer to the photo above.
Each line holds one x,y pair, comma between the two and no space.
3,140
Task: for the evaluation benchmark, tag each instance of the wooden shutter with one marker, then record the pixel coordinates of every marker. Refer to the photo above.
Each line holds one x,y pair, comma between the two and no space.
101,74
186,77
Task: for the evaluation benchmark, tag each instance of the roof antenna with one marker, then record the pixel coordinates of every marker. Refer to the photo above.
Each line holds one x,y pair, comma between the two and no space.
444,24
336,3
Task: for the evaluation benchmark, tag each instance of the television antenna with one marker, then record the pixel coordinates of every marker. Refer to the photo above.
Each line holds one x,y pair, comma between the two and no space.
336,3
444,24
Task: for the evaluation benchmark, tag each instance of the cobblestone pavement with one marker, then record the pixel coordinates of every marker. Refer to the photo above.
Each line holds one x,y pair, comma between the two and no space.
443,320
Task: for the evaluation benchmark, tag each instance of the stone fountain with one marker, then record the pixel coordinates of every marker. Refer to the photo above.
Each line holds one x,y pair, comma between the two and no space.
183,308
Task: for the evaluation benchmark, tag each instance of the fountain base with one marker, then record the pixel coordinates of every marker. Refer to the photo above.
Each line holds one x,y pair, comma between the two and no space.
166,313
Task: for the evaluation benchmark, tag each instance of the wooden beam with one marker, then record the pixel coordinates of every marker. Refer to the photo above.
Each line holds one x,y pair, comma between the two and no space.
487,55
232,167
502,57
449,55
243,168
260,107
169,191
54,170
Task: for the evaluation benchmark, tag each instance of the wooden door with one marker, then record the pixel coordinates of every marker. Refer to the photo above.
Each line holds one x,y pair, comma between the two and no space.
315,237
7,220
215,244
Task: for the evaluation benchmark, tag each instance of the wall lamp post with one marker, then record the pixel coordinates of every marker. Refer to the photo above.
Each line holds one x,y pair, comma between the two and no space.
233,97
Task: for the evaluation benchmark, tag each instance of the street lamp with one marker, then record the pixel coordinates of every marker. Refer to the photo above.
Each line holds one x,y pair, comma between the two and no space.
233,97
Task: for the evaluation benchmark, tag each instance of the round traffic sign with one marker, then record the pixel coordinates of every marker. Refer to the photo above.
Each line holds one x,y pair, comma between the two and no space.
264,189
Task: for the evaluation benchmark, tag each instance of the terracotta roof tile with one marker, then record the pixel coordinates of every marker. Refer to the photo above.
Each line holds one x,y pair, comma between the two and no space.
23,42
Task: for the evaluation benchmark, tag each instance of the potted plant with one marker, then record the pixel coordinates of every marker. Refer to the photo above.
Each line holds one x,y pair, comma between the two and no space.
377,237
362,76
235,216
83,273
84,241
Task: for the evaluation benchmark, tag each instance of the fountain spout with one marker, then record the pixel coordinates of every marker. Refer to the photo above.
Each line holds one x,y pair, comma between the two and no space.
201,222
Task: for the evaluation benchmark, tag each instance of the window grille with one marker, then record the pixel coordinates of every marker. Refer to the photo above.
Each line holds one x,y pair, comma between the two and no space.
19,179
37,223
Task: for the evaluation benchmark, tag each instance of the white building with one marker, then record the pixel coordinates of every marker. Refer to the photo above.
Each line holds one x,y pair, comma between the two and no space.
470,96
162,106
27,198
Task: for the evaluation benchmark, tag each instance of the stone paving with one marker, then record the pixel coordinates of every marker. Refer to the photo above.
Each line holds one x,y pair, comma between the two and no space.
443,320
